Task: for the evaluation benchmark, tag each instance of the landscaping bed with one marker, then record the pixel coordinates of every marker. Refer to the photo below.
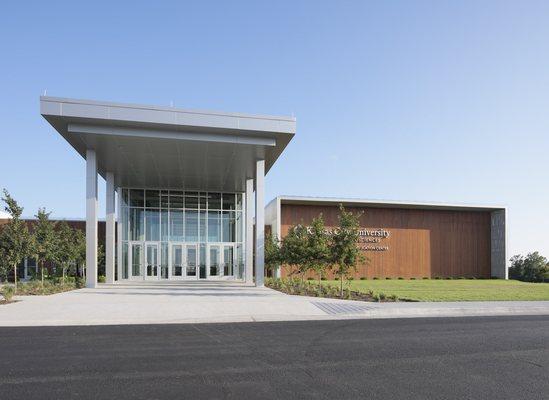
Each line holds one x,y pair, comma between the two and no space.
298,287
36,288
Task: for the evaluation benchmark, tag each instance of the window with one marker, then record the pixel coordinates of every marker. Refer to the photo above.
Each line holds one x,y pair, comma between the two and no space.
214,227
152,224
137,198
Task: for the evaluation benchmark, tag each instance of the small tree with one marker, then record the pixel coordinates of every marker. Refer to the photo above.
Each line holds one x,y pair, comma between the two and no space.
345,251
294,251
67,252
80,252
14,238
44,240
318,248
272,252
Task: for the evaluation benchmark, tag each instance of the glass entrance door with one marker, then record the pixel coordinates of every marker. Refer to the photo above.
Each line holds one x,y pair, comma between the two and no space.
191,261
136,260
228,260
177,261
152,270
214,261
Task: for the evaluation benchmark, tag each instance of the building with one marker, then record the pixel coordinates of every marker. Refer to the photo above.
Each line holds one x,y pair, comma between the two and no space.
406,239
185,187
188,185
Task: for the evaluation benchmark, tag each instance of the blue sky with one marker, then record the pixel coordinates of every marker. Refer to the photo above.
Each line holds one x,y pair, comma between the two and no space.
404,100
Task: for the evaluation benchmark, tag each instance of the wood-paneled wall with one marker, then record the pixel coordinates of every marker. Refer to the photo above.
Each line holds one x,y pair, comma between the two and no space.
422,243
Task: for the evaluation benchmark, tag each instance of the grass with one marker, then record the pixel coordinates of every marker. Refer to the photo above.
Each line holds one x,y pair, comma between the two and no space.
453,290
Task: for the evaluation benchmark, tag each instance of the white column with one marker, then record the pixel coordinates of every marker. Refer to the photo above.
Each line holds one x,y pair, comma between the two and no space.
91,219
109,229
249,230
119,237
259,222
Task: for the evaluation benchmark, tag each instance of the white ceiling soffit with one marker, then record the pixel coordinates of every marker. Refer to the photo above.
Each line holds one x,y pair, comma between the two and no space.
164,147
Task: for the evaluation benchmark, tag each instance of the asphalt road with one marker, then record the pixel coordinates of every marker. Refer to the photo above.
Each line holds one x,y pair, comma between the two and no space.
440,358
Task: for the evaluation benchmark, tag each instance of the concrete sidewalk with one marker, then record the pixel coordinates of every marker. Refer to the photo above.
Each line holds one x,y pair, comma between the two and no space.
208,302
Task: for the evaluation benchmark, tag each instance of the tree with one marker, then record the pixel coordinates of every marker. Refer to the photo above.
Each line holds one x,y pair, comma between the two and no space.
80,251
272,252
14,238
318,248
532,268
345,251
44,240
294,249
67,251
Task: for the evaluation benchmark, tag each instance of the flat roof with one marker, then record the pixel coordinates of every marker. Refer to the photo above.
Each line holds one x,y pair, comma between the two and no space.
352,202
167,147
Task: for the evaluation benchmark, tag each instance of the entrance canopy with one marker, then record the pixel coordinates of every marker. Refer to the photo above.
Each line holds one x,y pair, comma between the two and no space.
165,147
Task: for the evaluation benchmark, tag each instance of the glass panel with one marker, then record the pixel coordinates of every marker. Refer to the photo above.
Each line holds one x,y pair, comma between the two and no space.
152,224
239,273
137,222
177,232
202,261
176,199
124,200
228,201
239,226
228,260
214,225
164,260
164,199
137,198
202,226
203,200
152,198
228,226
164,231
137,251
124,216
124,260
191,200
191,260
177,260
152,261
214,260
239,201
191,226
214,201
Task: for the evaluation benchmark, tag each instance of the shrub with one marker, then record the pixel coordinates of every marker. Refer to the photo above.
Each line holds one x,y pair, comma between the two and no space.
388,278
375,278
363,278
382,296
337,278
375,297
310,278
438,277
400,278
412,278
393,297
532,268
101,279
425,277
323,278
8,291
351,278
461,277
448,278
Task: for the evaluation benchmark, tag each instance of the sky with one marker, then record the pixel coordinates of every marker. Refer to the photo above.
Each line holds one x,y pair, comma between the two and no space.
439,101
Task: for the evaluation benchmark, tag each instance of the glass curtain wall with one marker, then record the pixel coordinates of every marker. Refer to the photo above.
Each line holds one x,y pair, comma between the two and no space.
181,218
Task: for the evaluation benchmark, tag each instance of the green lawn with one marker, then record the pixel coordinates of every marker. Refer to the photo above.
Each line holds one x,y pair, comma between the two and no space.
454,290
